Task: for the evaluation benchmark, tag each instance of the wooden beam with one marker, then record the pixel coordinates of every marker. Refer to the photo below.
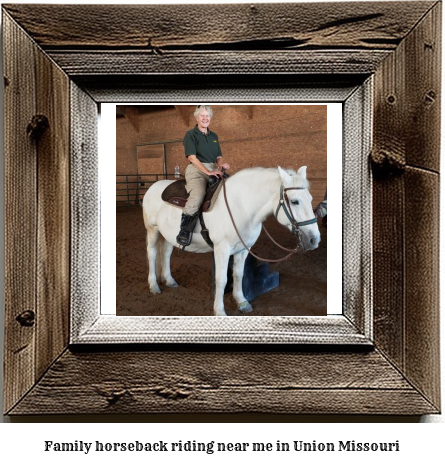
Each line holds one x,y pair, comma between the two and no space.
304,25
37,292
184,113
132,114
244,110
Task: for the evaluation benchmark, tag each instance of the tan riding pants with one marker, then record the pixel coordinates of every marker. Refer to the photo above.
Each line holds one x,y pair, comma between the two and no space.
196,186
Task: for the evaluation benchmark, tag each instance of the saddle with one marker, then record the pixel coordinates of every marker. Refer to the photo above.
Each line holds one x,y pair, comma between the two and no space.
176,194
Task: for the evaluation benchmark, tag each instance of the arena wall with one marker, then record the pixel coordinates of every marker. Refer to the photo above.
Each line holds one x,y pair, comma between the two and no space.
250,135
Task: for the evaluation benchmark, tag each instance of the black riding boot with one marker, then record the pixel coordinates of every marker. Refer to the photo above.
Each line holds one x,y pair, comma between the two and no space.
184,237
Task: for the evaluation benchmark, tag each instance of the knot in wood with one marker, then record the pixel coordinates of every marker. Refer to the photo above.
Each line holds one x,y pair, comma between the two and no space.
114,397
386,162
173,393
430,97
37,126
112,394
26,318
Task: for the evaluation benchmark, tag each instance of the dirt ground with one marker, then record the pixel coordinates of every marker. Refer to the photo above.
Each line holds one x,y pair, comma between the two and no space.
301,292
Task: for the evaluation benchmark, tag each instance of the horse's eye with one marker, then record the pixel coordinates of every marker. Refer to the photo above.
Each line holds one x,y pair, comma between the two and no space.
295,202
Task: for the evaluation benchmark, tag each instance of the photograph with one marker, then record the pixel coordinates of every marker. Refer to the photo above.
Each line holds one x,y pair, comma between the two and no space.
266,216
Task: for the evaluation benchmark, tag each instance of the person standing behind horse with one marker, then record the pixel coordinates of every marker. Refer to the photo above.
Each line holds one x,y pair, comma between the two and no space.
202,149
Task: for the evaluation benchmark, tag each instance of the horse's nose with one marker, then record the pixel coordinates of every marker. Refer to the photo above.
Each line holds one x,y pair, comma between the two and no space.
314,241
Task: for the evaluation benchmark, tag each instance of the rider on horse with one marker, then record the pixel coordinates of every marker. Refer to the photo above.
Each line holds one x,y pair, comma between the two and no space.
202,149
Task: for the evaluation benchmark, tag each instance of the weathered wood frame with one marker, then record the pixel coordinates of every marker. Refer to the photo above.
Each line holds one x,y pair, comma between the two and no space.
353,326
62,66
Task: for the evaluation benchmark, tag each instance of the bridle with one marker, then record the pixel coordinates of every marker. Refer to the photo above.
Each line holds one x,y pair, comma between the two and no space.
284,204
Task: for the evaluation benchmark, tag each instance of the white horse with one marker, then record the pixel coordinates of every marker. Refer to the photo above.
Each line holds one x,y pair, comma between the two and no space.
253,194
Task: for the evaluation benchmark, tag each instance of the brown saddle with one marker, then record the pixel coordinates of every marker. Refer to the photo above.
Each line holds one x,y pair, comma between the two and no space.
177,195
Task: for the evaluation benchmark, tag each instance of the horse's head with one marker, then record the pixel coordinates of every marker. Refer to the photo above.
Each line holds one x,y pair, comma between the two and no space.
295,207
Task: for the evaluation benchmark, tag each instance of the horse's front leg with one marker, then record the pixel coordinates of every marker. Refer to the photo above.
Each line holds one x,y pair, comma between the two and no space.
222,256
239,260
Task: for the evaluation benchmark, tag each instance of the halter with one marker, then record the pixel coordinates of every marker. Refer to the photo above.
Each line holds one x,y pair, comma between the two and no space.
285,205
295,224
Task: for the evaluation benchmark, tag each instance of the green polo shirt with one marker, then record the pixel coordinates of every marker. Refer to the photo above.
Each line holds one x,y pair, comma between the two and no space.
205,147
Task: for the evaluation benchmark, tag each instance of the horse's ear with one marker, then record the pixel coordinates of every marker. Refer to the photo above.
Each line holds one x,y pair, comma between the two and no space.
286,178
302,171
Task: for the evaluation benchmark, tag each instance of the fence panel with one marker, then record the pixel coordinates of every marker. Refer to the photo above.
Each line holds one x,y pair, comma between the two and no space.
131,188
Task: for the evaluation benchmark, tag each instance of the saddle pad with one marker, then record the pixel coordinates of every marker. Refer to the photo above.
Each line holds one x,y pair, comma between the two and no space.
176,195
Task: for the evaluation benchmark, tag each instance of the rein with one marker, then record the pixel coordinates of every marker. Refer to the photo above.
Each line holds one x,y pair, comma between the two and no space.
293,221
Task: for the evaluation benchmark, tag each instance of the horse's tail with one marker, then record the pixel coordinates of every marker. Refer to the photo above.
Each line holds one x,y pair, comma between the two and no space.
159,255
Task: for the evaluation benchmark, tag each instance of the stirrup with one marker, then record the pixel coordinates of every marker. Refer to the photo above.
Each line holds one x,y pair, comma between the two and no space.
188,222
183,240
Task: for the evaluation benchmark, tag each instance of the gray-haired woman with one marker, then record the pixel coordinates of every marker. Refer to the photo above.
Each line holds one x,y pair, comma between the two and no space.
202,149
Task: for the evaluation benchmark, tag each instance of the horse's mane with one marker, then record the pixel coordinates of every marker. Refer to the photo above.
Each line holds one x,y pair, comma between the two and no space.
249,172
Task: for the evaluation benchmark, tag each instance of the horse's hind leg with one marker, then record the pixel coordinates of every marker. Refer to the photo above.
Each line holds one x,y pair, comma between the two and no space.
166,251
239,260
152,239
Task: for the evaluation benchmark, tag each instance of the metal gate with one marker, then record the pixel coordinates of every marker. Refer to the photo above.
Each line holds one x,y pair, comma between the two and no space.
131,188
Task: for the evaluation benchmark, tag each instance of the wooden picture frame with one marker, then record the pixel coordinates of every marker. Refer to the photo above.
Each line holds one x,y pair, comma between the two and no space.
56,72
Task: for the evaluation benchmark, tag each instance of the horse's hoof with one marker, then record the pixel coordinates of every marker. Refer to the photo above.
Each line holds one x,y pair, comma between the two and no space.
245,307
219,313
171,283
155,290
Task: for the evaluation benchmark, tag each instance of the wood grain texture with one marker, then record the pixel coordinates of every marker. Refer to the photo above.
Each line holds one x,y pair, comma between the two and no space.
84,205
242,88
20,213
217,381
422,281
274,26
53,222
388,200
406,133
423,91
357,209
37,218
124,40
129,63
407,118
388,276
204,330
